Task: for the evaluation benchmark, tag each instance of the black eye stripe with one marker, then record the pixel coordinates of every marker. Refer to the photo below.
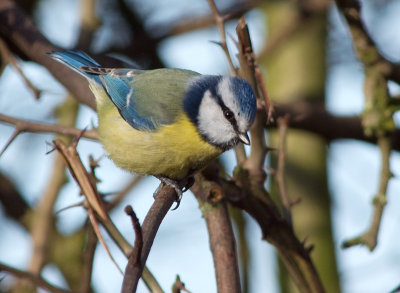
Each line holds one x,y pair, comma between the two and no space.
228,114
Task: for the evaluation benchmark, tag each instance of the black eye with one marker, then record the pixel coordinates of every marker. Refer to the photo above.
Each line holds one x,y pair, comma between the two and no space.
228,114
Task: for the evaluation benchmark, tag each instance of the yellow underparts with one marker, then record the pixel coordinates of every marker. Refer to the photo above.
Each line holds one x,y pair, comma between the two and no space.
173,150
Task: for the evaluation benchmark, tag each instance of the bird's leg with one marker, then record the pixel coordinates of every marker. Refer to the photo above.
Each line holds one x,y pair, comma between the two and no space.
179,186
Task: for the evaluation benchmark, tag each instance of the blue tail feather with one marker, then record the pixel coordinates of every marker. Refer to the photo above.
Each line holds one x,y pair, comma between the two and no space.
75,60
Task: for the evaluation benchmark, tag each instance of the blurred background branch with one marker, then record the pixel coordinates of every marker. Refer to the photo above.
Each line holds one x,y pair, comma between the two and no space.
291,64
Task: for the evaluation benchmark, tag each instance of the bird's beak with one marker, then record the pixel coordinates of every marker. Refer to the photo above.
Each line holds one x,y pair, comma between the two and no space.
244,137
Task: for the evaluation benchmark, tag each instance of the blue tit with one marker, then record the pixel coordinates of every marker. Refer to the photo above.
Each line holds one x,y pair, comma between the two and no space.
165,122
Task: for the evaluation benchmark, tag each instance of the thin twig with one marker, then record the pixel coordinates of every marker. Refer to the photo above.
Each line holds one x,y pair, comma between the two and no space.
9,142
130,283
43,218
370,237
88,257
33,278
7,56
280,172
255,162
81,176
125,190
268,105
220,20
151,223
88,187
192,23
35,127
96,230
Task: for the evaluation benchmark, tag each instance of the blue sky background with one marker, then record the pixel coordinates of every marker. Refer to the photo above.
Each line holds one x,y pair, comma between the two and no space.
181,246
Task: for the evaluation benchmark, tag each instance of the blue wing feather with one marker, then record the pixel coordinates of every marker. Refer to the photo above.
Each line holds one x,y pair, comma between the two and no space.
145,103
122,94
75,60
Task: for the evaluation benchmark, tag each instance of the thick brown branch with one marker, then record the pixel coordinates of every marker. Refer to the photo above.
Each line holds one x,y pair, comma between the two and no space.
277,231
314,118
222,240
253,199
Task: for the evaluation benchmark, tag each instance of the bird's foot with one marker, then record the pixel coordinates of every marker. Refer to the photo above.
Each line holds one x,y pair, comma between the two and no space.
179,186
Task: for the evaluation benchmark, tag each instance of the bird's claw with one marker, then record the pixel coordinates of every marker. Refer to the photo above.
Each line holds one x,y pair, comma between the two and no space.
189,183
177,187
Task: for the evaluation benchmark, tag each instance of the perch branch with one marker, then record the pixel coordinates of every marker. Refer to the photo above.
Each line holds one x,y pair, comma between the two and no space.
222,239
151,223
249,193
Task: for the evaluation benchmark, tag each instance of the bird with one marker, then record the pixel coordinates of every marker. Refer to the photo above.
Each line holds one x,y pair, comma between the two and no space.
165,122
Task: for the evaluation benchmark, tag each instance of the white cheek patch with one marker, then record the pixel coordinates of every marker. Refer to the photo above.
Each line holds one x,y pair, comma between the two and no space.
212,123
230,100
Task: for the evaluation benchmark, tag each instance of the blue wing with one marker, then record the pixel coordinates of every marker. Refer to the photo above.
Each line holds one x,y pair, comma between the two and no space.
75,60
122,95
145,99
149,99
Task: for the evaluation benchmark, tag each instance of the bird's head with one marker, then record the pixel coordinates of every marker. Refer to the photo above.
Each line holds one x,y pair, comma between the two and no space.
222,108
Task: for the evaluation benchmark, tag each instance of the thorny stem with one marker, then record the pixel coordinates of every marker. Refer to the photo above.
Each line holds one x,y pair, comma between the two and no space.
150,225
220,20
38,127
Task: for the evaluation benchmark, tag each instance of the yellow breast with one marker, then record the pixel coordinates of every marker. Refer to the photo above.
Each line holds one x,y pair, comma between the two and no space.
173,150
